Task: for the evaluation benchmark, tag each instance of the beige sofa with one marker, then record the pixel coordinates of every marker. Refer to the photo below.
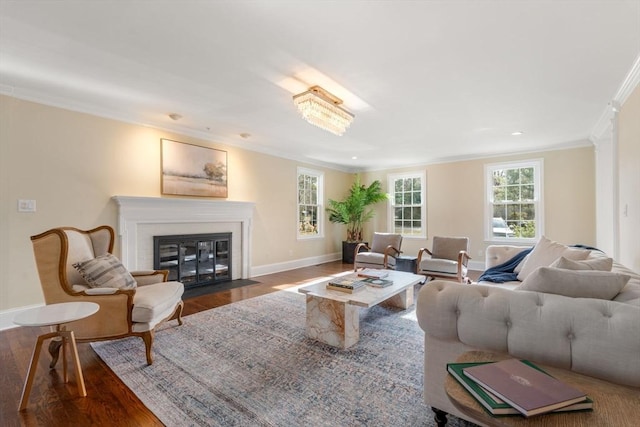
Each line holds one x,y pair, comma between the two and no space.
596,337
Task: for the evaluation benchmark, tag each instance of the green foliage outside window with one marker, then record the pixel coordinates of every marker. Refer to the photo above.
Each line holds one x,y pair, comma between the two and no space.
408,206
513,200
308,205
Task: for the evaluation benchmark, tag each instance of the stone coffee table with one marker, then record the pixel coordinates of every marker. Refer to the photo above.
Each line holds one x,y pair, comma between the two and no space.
332,316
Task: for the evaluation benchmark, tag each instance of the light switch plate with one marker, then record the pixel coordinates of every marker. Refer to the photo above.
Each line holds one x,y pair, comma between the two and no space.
26,205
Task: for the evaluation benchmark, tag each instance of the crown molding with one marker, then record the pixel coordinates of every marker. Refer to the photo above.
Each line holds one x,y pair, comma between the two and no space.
603,126
67,104
629,84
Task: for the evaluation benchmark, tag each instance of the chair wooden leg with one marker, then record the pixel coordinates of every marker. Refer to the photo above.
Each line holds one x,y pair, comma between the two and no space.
147,337
178,313
54,351
65,341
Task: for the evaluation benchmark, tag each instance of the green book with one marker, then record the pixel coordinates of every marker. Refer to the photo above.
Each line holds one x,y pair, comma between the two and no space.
493,404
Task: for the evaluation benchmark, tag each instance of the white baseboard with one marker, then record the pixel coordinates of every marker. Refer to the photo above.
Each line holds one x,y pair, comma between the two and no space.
6,316
306,262
293,264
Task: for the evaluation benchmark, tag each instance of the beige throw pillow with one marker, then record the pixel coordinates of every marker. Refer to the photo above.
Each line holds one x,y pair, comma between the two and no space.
105,271
575,283
545,252
600,264
518,268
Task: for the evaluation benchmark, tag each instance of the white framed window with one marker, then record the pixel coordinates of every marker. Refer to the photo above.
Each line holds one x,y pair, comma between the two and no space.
408,204
513,199
309,206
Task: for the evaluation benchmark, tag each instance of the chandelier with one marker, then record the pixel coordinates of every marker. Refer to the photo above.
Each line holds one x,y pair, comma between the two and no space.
322,109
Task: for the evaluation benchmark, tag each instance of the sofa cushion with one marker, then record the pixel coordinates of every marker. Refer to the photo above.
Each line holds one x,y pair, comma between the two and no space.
518,268
575,283
374,259
545,252
439,265
105,271
600,264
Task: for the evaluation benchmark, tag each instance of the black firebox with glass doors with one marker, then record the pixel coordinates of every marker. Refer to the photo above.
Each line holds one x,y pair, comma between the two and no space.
194,259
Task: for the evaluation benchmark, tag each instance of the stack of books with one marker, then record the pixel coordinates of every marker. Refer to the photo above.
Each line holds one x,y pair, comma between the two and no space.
349,284
355,282
373,273
377,283
513,386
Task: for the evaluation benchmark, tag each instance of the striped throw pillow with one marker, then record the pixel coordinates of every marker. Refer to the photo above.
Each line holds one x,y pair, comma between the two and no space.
105,271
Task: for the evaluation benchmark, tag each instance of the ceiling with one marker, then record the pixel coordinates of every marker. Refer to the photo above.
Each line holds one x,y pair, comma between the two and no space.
428,81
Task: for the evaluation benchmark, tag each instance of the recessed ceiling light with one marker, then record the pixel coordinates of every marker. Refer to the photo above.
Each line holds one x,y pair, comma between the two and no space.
354,158
175,116
516,133
245,135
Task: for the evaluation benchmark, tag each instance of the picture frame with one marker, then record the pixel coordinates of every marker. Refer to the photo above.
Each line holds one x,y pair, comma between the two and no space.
193,170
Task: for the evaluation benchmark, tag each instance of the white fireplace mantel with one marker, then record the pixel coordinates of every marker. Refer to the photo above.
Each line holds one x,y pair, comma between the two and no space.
133,212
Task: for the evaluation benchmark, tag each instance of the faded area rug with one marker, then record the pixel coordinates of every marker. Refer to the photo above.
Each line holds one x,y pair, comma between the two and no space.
250,364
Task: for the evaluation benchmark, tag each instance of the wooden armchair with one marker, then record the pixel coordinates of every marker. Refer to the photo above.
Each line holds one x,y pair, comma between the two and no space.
447,259
385,247
123,312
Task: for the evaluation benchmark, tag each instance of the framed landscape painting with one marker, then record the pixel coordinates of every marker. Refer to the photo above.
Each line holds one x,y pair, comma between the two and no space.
192,170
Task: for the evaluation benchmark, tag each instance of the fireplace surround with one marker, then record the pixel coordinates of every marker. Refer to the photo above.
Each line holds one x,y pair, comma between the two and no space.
141,218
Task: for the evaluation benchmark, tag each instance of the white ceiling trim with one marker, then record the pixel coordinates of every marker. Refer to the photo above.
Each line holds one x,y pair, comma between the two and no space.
67,104
603,126
89,109
493,155
630,83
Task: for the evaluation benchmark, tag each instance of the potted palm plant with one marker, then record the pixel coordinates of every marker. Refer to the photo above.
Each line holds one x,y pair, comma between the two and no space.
354,211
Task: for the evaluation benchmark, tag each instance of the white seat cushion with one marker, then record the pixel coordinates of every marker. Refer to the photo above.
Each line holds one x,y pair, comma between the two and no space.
151,301
439,265
374,258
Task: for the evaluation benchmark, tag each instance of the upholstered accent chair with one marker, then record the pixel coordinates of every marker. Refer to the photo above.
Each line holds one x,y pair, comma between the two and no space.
448,259
131,310
385,247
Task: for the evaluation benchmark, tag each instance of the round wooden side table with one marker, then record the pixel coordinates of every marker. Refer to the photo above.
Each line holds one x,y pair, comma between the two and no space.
613,404
55,315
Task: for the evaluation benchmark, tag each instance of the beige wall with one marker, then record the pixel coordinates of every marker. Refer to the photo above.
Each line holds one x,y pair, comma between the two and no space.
73,163
629,180
455,199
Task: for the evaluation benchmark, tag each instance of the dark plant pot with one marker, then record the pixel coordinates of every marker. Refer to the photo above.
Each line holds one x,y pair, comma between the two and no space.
348,251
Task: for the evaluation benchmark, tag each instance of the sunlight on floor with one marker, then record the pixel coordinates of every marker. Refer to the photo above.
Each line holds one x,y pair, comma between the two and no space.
294,288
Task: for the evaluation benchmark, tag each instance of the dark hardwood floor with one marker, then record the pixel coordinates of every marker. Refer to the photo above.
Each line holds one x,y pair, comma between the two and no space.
109,402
